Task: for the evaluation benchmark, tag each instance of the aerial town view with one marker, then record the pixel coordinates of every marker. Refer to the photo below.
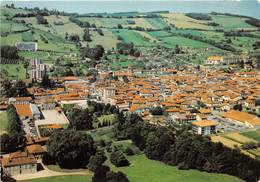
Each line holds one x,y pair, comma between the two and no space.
130,91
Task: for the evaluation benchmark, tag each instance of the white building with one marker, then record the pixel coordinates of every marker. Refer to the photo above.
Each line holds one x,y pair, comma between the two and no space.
204,127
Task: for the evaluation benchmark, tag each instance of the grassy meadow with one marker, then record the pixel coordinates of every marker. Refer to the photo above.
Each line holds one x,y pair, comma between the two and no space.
145,170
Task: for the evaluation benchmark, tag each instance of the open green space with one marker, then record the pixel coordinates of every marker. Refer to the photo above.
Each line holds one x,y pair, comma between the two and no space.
230,22
68,178
181,41
16,71
105,120
145,170
3,122
135,37
253,134
157,23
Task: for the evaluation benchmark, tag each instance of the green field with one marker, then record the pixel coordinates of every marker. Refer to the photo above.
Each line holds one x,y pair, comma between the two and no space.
253,134
158,23
74,178
3,122
135,37
231,22
145,170
177,40
14,70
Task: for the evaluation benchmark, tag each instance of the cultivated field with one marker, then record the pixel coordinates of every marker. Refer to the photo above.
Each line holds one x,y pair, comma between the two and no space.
182,21
253,134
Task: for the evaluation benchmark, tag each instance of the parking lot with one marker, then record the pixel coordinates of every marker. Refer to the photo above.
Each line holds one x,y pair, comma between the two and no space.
30,128
225,125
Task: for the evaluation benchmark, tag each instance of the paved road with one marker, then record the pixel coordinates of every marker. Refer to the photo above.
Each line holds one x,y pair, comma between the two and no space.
48,173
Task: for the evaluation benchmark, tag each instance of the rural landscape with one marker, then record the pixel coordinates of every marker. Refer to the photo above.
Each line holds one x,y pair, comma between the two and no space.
129,96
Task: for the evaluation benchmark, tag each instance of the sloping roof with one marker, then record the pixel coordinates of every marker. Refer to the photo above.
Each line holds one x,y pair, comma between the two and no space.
23,110
204,123
242,117
35,149
8,162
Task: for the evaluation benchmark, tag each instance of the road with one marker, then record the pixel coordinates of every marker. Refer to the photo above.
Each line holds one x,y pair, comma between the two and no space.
48,173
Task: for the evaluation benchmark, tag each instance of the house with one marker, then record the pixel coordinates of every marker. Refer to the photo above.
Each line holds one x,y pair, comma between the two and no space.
26,46
35,150
19,163
214,60
204,127
20,100
23,111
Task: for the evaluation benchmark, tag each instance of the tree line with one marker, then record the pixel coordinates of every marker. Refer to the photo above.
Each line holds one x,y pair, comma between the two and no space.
186,150
14,138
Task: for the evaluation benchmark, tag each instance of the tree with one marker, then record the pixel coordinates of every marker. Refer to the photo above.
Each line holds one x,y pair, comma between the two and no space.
100,174
119,26
9,52
97,160
118,158
70,148
41,19
80,119
87,36
238,107
74,38
93,53
15,137
157,111
19,89
46,82
116,177
6,86
177,49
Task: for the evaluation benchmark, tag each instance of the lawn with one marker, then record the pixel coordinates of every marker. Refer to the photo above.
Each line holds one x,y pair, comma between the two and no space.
104,133
3,122
145,170
74,178
253,134
14,70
